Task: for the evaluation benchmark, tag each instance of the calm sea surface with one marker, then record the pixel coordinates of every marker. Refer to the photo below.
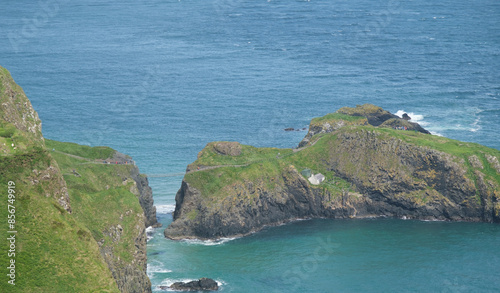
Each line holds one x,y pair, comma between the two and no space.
159,79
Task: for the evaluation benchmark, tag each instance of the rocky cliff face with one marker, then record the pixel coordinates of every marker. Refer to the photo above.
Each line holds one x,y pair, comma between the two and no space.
145,197
131,275
370,171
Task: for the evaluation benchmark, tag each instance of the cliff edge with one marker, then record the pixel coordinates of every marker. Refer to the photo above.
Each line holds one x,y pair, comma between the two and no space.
374,164
79,223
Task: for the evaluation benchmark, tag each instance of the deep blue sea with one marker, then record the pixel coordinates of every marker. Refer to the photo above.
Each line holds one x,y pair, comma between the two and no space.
158,79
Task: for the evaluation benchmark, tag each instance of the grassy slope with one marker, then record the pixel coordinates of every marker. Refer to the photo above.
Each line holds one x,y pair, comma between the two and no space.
337,117
55,252
15,110
263,164
94,153
99,196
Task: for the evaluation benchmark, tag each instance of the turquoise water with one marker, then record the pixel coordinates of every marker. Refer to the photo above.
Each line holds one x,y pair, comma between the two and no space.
159,79
323,255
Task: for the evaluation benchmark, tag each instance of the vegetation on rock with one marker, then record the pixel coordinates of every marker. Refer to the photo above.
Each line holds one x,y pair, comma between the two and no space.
370,170
80,227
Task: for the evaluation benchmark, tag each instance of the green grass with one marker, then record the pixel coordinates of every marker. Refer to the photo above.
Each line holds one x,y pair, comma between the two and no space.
55,252
7,130
364,109
58,251
99,196
249,154
212,183
93,153
336,116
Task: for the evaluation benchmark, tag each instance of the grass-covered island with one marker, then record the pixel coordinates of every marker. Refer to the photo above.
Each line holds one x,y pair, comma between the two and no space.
76,223
373,163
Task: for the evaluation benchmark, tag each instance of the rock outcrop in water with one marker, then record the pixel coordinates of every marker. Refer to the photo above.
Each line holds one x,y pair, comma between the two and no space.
203,284
371,171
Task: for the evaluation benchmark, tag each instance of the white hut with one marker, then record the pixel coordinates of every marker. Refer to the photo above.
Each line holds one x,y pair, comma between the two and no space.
316,179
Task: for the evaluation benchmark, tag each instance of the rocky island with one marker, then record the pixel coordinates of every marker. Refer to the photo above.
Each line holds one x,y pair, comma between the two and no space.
374,164
80,223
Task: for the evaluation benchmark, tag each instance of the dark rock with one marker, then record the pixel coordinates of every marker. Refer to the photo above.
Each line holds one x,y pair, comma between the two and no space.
203,284
145,197
289,129
406,117
400,122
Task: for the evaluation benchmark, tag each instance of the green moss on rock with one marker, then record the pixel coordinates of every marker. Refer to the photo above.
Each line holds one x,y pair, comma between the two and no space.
370,171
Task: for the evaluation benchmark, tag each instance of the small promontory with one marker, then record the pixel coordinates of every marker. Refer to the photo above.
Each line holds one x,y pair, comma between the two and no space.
356,162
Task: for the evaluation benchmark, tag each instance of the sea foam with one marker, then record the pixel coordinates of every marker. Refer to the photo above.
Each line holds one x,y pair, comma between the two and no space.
165,208
208,242
414,117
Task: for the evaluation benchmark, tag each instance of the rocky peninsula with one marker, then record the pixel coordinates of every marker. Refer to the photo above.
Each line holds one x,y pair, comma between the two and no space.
375,164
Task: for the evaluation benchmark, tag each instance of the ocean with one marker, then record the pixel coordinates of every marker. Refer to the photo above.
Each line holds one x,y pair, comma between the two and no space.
159,79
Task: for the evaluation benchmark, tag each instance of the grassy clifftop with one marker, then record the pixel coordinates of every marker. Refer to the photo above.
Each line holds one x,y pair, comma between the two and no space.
371,170
105,199
79,225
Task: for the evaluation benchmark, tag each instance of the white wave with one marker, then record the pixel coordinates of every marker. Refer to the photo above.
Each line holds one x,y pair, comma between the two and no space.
155,268
165,208
436,133
149,233
475,125
433,220
168,282
208,242
414,117
159,270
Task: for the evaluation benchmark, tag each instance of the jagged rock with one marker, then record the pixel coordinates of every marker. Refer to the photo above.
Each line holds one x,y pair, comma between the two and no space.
494,162
203,284
399,122
406,117
146,197
475,162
